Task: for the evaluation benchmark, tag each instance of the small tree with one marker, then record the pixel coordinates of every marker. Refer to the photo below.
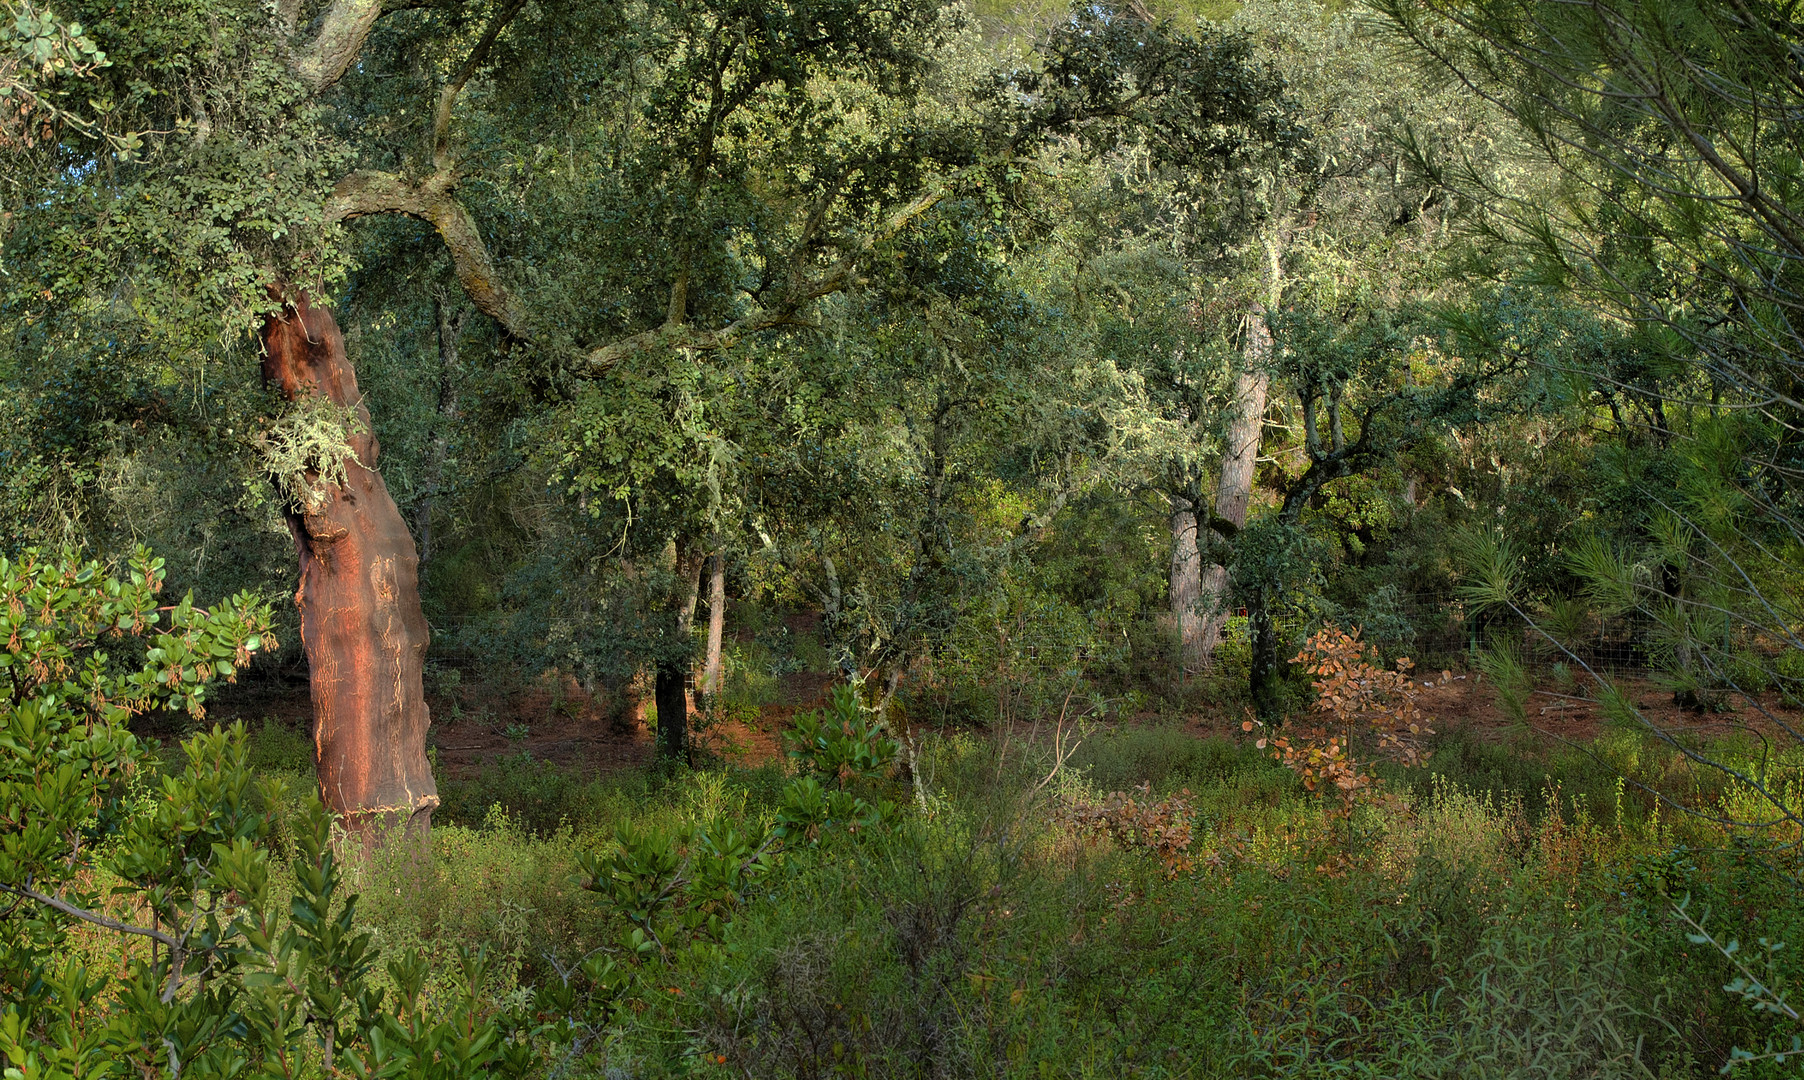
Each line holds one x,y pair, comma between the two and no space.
1354,697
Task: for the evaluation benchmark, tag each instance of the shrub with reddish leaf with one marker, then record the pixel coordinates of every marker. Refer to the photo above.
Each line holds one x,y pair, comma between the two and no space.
1162,829
1354,697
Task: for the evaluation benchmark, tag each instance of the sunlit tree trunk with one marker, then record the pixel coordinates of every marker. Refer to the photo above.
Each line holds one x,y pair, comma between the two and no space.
361,625
1246,429
717,620
1186,586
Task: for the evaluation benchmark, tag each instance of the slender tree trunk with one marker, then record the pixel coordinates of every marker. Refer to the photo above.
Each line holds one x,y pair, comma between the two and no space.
671,690
450,328
1186,586
1266,674
1266,671
717,620
1234,488
361,625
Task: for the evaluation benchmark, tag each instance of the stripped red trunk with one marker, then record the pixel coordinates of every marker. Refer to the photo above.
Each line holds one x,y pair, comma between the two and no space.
361,624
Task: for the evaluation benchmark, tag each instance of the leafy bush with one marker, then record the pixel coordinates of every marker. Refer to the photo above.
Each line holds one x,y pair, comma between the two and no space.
1354,698
232,976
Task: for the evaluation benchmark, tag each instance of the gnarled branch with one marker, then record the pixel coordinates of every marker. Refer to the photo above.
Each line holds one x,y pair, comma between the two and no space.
430,199
368,191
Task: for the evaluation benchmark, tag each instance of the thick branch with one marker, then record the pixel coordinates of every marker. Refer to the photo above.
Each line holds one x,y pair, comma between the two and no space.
342,31
368,191
89,916
430,200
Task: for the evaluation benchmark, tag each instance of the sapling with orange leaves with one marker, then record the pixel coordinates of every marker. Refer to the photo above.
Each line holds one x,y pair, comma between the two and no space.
1354,697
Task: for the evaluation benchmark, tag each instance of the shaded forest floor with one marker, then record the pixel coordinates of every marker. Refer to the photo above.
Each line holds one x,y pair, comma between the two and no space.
552,720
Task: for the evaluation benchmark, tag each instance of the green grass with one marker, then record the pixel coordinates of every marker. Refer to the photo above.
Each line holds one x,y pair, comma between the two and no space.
1508,915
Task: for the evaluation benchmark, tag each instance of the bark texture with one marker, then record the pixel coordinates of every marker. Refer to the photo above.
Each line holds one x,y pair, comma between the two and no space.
1187,586
343,26
361,625
1234,487
717,620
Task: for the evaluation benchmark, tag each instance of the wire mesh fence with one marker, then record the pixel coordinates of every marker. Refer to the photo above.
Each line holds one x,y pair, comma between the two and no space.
1438,630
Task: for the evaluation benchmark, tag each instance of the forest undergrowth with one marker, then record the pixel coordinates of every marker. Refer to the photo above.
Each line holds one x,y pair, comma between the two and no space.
1154,904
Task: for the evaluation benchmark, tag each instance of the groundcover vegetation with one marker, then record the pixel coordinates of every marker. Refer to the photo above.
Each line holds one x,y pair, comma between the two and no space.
935,538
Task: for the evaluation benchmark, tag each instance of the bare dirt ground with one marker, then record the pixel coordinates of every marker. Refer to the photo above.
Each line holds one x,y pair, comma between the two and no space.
553,720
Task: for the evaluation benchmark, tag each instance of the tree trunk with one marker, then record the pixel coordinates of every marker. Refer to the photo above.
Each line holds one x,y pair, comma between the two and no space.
717,620
1234,488
361,625
450,327
672,688
1266,671
1266,674
1187,586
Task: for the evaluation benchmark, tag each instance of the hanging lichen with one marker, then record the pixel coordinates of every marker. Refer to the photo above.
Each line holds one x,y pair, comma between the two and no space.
306,448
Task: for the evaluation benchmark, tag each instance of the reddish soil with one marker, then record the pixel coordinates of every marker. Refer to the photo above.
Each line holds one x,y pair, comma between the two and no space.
554,721
1465,701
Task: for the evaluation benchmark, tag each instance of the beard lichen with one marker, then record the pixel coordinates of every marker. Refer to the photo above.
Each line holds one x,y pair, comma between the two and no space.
306,447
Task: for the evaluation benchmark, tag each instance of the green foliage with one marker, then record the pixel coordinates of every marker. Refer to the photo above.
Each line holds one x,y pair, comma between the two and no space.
842,743
844,751
1510,681
36,50
929,330
534,796
232,976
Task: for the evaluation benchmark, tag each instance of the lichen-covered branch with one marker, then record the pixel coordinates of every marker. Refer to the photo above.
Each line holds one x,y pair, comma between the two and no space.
368,191
343,28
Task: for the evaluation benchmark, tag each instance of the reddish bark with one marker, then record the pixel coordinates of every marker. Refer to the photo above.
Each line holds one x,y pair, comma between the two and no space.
361,624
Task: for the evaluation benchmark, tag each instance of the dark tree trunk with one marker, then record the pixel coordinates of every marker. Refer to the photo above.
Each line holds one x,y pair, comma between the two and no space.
671,690
450,325
673,708
361,625
1266,674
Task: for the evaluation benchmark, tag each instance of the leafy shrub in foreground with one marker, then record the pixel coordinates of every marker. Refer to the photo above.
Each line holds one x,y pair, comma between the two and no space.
230,977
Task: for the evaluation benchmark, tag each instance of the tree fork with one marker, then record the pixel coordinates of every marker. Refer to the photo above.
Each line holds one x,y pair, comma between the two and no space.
361,625
1246,430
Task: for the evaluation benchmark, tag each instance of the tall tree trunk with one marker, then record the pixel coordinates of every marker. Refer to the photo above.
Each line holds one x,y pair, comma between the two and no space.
1187,586
1234,488
671,690
361,625
450,326
717,620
